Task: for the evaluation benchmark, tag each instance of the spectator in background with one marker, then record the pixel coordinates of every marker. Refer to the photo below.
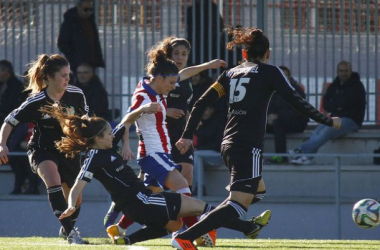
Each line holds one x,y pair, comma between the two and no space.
10,89
79,37
207,139
200,83
93,89
345,98
284,119
207,11
26,182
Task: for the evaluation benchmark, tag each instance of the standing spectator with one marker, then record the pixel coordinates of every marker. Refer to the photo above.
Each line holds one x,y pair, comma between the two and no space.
249,88
49,77
79,37
284,119
345,98
202,37
93,89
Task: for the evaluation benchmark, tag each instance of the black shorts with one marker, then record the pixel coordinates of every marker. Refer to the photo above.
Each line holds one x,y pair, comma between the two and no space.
153,210
68,168
187,157
245,166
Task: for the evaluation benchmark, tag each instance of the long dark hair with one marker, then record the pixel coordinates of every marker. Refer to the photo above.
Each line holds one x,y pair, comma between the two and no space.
253,40
159,63
80,132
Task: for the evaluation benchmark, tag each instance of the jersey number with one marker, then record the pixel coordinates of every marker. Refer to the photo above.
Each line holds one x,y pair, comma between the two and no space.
237,90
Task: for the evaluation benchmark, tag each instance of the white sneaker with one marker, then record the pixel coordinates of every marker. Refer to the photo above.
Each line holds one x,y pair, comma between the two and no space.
301,160
62,233
74,238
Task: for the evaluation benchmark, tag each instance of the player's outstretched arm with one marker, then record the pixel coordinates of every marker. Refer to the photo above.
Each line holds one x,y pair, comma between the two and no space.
193,70
75,191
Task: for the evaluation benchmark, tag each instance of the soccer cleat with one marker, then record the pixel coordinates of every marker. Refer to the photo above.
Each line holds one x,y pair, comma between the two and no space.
62,233
115,230
207,240
183,244
75,238
301,160
121,241
259,223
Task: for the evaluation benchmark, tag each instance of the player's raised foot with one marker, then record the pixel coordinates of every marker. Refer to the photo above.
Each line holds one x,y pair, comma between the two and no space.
75,238
115,230
207,240
259,222
181,244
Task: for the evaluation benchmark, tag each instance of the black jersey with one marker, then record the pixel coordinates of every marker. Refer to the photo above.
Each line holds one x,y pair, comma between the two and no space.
179,98
107,166
47,129
249,88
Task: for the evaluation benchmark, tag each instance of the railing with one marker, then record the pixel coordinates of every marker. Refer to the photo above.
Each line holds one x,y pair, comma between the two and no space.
199,156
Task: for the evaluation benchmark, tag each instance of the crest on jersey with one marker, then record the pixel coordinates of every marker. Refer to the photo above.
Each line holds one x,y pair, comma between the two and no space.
112,158
69,110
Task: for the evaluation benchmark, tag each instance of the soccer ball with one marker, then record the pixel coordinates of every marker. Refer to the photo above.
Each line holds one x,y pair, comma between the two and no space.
365,213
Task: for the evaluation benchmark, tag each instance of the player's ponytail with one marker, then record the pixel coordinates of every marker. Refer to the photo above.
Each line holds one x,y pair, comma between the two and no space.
253,40
39,70
80,131
159,64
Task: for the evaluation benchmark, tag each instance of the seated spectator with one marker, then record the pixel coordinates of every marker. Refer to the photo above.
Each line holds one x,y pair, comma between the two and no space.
345,98
283,119
93,89
11,96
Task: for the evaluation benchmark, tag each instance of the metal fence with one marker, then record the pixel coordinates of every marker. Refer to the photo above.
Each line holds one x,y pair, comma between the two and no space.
308,36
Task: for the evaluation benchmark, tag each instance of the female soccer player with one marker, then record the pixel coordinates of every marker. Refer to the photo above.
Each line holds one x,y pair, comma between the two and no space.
176,49
159,212
249,87
49,78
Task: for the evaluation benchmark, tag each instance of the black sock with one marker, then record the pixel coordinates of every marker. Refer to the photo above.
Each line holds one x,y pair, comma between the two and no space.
58,204
146,233
259,196
75,215
208,208
191,188
240,225
237,224
219,217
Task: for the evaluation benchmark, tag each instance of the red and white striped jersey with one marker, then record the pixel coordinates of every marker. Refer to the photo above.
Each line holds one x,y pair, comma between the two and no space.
151,128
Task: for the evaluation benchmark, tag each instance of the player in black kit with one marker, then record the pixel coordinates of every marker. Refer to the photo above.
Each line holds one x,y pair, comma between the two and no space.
49,83
159,212
249,88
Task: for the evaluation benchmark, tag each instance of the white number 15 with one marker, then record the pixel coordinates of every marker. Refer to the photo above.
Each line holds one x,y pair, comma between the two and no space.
237,90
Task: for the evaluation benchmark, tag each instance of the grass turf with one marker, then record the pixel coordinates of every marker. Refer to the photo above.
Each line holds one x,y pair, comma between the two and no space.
39,243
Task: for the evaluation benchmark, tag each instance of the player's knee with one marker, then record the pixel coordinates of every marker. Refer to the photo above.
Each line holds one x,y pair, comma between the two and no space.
258,196
174,226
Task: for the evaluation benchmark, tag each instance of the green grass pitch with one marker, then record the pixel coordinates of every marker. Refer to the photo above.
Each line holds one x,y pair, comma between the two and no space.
39,243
